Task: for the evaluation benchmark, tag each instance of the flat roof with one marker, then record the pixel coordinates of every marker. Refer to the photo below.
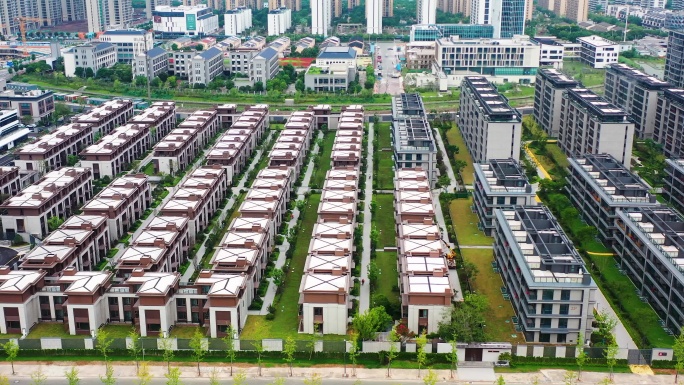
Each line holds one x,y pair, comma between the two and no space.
428,285
612,179
663,230
651,82
597,105
559,79
503,175
495,105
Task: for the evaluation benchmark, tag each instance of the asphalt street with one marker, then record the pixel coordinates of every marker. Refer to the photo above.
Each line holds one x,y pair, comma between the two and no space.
388,84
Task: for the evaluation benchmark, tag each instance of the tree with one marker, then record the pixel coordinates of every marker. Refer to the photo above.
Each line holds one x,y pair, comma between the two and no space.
72,376
370,322
311,344
373,272
38,377
214,377
314,379
289,350
72,160
134,346
452,357
12,351
167,352
421,354
259,87
259,349
500,381
393,351
353,351
144,375
108,378
678,350
173,377
430,378
89,73
104,341
581,357
611,355
231,350
3,379
239,378
199,346
140,80
277,277
467,320
79,72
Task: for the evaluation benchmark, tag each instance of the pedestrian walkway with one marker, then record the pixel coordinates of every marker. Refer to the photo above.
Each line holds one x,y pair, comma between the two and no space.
364,295
453,184
285,246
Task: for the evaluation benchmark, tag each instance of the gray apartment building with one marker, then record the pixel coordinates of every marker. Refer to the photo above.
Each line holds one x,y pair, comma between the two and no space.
673,190
412,139
591,125
151,63
490,127
636,93
499,184
669,130
197,67
650,250
548,95
600,186
674,59
265,66
550,288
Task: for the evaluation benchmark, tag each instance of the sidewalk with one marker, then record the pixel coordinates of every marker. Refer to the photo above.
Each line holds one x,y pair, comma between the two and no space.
328,374
364,294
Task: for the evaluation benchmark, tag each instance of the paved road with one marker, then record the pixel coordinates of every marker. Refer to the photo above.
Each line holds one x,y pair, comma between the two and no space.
388,84
364,300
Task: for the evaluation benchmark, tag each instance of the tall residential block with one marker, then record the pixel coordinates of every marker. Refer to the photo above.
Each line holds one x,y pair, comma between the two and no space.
673,191
548,95
600,186
107,14
499,184
374,16
320,17
636,93
491,128
550,288
575,10
669,130
507,16
279,21
387,8
591,125
426,11
674,60
650,249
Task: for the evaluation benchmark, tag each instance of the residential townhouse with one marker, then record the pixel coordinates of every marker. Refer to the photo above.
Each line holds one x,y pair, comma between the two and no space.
600,186
106,117
160,116
227,113
19,310
57,194
116,152
122,203
51,151
85,307
10,181
551,290
500,183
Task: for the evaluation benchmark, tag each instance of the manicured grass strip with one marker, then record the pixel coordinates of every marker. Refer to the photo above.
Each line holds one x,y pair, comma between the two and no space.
56,330
465,224
454,138
286,322
640,316
385,174
183,331
383,220
584,73
323,161
118,331
387,263
499,326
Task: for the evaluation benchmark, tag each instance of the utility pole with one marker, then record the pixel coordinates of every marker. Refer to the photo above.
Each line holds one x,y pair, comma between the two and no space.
624,36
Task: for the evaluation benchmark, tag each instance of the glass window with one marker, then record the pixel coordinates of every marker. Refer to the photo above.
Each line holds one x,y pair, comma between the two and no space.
547,294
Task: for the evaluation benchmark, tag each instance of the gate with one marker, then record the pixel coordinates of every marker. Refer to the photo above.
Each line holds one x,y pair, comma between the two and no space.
639,356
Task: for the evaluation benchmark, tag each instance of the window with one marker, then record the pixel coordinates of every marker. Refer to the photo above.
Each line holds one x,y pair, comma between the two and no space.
545,323
563,323
182,316
44,300
547,308
544,337
513,200
113,301
195,316
82,326
180,302
564,309
114,314
194,302
561,338
128,316
127,301
423,313
500,200
318,311
547,295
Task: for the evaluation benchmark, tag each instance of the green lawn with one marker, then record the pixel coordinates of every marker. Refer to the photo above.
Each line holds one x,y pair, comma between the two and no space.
499,326
183,331
519,91
454,138
324,161
44,330
383,220
118,331
640,315
149,169
384,156
584,73
286,322
387,263
465,224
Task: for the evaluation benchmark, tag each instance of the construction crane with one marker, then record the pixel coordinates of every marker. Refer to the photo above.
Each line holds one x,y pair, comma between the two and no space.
22,25
451,255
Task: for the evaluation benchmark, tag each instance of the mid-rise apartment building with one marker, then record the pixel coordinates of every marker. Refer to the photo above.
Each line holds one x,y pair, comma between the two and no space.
106,117
129,43
114,153
650,250
279,21
490,127
90,55
426,11
551,51
37,104
673,190
674,59
51,151
237,21
184,20
598,52
265,66
412,139
198,67
551,291
591,125
548,95
151,63
57,194
600,186
457,58
669,131
499,184
334,69
636,93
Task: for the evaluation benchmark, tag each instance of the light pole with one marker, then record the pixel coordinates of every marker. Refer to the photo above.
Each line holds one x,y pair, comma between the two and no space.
345,360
